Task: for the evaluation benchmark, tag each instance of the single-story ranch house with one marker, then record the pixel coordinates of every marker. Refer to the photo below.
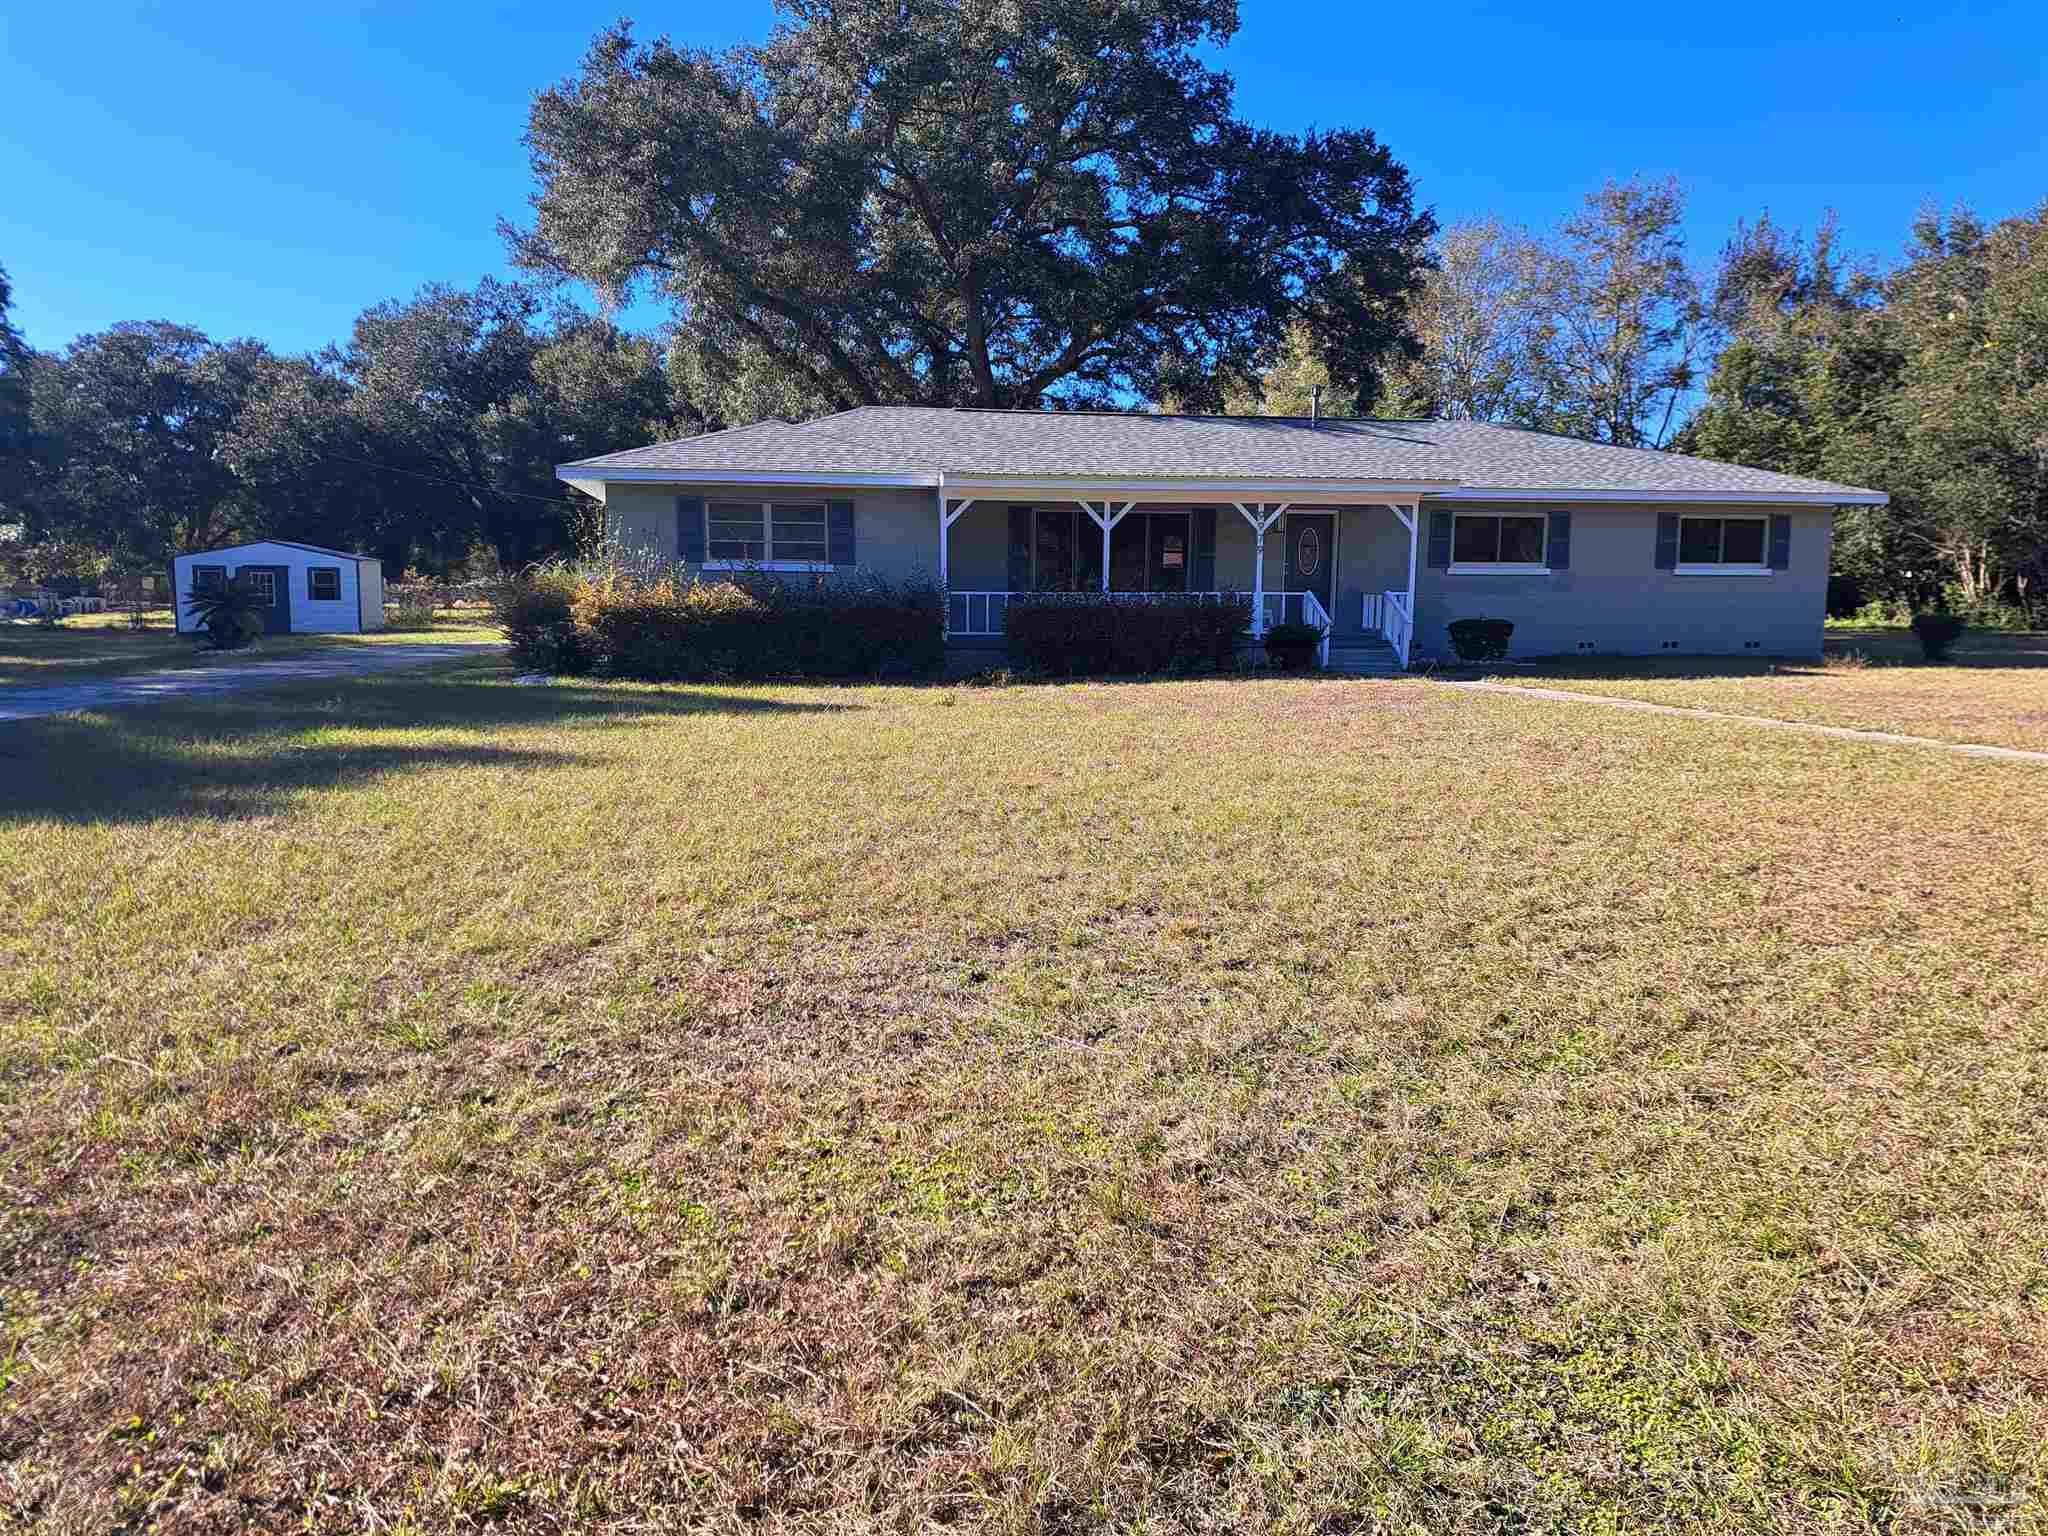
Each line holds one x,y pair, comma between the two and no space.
1382,531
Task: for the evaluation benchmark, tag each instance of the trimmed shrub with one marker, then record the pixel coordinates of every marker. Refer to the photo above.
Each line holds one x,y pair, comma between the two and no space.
1081,634
661,624
1292,647
1937,631
1480,639
535,611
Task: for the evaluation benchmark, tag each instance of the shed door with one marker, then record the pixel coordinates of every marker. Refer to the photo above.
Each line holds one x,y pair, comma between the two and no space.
274,583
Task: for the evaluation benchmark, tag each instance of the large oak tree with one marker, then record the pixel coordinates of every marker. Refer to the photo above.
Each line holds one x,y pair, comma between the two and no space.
992,202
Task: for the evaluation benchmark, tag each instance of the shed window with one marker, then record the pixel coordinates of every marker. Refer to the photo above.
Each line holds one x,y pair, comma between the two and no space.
771,533
1499,543
323,583
209,578
1722,544
262,583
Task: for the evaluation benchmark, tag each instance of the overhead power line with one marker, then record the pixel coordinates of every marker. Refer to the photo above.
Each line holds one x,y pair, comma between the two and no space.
467,485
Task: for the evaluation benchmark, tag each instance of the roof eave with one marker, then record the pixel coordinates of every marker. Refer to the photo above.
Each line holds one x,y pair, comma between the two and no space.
711,475
1845,497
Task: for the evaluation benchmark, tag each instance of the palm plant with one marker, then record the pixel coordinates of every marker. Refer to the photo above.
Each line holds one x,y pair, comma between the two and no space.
231,614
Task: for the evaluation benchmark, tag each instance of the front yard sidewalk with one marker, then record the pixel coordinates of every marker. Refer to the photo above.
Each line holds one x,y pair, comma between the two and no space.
1807,727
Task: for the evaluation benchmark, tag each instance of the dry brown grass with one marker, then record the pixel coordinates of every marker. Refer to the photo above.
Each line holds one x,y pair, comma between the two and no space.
1292,1106
1993,691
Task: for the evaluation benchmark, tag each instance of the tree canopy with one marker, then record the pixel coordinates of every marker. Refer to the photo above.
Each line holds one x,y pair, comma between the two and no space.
1930,381
1015,205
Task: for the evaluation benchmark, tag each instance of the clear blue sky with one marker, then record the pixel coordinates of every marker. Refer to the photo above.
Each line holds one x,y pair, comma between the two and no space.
260,170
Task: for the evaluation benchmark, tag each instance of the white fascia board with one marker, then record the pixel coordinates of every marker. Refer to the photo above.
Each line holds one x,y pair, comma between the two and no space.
1305,490
1689,498
709,476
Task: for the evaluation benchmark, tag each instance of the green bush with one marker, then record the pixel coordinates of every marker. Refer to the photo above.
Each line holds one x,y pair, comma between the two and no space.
1082,634
657,623
1937,631
1292,647
1480,639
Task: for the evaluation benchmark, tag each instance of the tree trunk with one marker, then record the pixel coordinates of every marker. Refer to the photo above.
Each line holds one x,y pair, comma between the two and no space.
977,343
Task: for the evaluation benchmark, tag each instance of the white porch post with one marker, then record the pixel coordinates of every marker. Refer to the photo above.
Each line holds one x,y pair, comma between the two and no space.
1106,520
1410,517
1260,521
1414,522
948,516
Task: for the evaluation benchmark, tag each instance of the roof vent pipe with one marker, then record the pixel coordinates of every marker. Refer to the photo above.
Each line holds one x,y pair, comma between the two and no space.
1315,402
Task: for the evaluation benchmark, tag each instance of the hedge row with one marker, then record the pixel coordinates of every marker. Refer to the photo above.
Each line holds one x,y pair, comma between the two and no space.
1078,634
669,626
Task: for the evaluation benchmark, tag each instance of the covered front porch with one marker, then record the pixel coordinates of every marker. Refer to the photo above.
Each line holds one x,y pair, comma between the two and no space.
1346,567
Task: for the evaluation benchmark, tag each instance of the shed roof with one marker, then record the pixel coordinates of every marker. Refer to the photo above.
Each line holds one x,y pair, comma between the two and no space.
312,549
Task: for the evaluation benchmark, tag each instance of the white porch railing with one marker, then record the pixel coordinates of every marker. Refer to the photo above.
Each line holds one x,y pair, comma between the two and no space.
977,613
1313,612
987,613
1389,613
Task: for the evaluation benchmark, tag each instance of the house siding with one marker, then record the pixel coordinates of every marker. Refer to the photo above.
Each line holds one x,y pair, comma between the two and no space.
895,532
1614,599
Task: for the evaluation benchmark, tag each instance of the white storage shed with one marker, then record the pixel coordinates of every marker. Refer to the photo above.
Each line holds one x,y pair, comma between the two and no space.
312,591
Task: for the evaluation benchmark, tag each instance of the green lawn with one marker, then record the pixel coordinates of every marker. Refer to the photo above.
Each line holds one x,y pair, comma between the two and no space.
1262,1105
1993,689
101,645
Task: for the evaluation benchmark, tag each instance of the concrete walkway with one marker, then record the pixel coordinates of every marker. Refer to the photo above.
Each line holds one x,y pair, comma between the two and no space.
211,682
1805,727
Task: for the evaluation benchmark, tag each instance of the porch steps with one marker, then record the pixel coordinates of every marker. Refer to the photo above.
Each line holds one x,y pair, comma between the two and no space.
1363,656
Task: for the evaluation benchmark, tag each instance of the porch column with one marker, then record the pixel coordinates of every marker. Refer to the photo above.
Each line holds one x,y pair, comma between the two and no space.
1410,517
948,516
1260,521
1106,520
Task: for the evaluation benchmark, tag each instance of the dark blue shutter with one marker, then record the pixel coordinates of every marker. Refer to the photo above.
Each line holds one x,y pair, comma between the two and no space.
1781,541
1020,549
1557,553
1439,541
1203,577
690,529
839,532
1667,541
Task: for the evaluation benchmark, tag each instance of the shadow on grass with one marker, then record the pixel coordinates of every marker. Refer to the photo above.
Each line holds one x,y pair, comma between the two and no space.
248,754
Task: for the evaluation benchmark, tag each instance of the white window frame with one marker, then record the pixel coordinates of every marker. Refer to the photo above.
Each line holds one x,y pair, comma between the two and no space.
1724,568
1540,567
767,562
323,570
255,584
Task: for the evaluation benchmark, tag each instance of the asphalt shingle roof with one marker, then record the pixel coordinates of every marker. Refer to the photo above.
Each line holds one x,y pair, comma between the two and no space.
925,440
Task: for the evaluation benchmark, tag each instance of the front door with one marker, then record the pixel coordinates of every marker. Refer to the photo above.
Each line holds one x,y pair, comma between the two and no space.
273,585
1312,555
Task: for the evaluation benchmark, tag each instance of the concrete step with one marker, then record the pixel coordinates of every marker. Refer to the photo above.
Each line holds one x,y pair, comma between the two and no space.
1363,656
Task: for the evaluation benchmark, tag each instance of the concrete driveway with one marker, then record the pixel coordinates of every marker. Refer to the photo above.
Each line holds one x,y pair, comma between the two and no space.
209,682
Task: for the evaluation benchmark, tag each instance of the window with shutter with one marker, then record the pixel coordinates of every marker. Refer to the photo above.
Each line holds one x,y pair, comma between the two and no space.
1722,546
1508,544
772,535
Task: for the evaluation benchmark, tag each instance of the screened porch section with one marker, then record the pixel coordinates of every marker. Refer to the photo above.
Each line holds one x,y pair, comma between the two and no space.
1343,569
